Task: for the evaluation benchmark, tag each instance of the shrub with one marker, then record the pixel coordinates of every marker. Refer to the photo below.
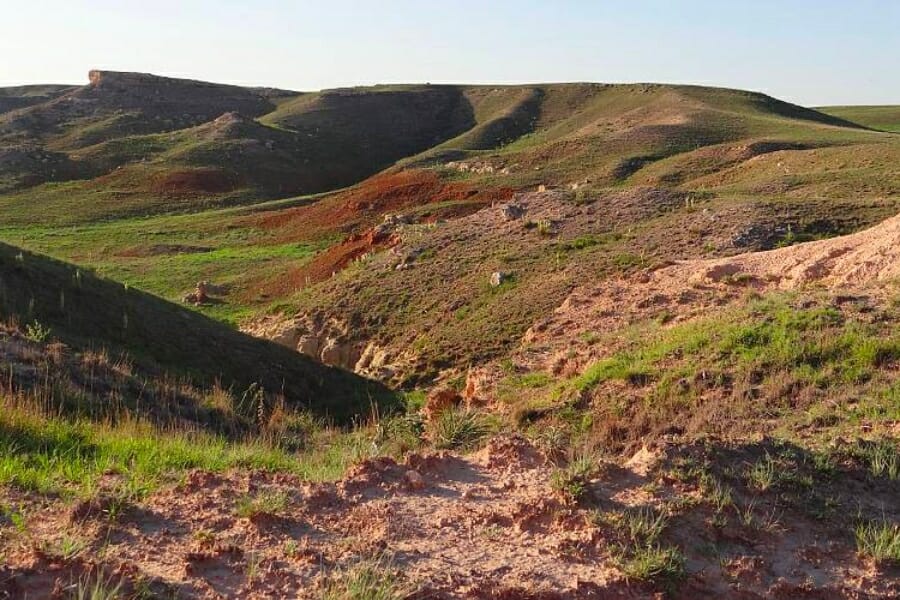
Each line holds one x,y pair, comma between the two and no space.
456,428
37,333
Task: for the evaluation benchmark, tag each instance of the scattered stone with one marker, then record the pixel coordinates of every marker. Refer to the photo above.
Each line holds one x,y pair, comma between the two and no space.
200,295
498,278
512,212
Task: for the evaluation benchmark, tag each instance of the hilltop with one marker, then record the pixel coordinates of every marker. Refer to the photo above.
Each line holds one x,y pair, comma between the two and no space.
130,143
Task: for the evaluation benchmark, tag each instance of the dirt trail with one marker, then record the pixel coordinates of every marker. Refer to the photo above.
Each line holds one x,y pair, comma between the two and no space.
489,525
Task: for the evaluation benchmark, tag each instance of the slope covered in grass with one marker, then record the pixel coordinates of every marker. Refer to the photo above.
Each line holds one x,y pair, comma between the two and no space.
132,143
90,312
882,118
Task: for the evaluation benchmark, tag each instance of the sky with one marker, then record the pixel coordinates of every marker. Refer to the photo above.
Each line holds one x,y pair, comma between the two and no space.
812,52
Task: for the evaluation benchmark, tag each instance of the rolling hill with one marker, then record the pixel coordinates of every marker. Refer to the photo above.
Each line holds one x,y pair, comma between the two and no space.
881,118
632,340
88,312
642,174
128,144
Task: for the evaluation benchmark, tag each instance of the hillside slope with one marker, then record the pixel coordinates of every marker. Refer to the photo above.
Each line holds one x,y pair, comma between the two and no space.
639,174
12,98
131,143
89,312
882,118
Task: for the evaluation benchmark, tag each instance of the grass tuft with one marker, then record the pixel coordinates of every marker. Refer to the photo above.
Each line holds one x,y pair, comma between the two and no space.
879,541
370,579
457,428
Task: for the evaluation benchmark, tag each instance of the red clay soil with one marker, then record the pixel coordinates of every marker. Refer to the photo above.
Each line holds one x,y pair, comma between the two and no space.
488,526
379,195
323,266
358,209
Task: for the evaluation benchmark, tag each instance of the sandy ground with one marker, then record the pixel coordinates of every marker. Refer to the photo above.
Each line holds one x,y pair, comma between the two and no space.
484,526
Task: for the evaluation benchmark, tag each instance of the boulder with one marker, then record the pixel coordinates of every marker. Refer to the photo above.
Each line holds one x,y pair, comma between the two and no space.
200,295
498,277
512,212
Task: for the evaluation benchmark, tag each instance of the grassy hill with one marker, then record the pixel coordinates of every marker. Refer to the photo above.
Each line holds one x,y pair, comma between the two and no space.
882,118
87,312
129,144
662,172
656,407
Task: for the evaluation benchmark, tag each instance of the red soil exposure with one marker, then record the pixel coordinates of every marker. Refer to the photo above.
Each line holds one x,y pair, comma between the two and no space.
379,195
209,181
488,526
361,206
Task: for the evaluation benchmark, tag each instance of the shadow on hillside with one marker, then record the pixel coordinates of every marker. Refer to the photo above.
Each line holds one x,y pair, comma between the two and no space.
86,311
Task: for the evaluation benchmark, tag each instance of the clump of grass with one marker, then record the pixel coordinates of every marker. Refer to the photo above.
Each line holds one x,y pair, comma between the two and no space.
371,579
572,481
456,428
97,588
269,502
50,454
716,493
544,227
65,547
36,332
884,460
639,554
645,525
763,475
254,563
879,541
653,563
640,526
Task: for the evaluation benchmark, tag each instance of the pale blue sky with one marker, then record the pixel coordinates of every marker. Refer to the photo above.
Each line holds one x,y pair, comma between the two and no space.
808,51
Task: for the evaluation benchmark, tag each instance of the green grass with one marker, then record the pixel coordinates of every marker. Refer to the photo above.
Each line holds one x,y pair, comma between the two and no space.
86,311
879,541
369,579
270,503
572,481
168,255
817,344
883,118
457,429
653,563
880,456
96,587
640,554
775,357
60,456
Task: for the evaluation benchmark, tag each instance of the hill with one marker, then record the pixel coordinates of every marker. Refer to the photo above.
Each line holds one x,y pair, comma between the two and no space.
882,118
129,143
91,313
12,98
641,340
641,174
